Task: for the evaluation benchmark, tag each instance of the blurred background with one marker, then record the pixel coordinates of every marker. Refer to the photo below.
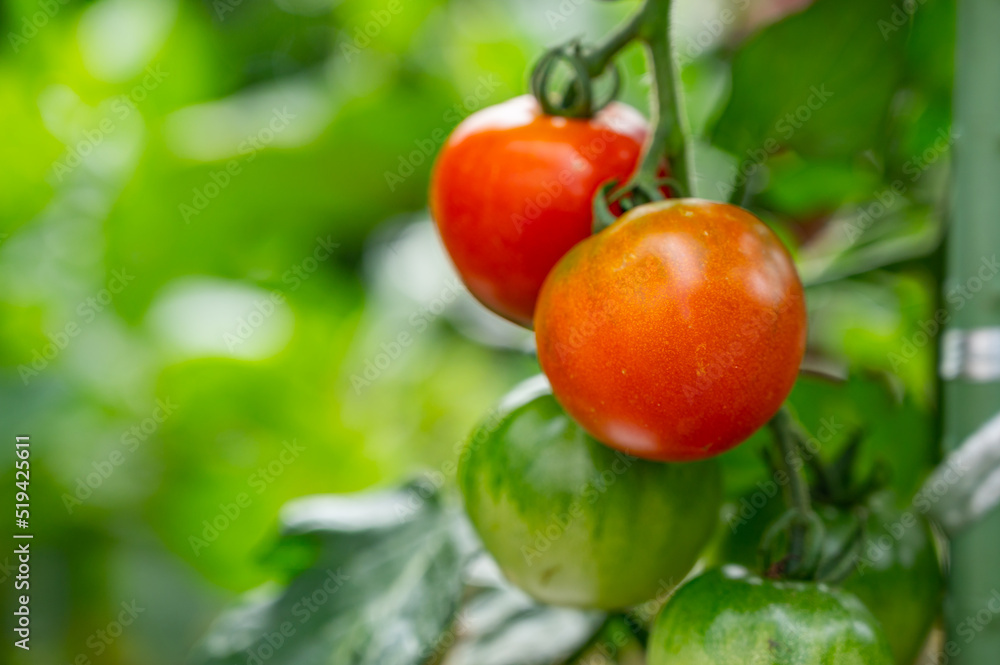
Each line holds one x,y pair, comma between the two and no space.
213,231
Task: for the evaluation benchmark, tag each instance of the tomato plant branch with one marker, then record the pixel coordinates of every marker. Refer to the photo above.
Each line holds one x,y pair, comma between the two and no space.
797,489
578,99
803,526
651,26
598,57
668,137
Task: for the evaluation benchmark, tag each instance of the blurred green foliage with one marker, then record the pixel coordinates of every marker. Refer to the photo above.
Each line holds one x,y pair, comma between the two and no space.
188,193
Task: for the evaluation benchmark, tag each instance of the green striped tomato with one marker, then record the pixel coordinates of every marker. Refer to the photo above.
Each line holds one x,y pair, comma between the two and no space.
729,617
573,522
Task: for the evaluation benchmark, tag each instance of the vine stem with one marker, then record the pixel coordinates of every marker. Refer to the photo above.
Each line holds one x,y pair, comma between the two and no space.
668,136
650,25
796,490
599,56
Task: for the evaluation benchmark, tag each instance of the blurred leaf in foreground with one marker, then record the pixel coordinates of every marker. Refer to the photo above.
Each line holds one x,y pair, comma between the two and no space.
501,625
382,589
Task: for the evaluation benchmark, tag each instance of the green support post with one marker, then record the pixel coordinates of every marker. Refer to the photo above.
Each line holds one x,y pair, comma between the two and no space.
971,347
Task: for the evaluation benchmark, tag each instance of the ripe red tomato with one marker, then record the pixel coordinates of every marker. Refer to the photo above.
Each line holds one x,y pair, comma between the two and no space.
512,189
675,333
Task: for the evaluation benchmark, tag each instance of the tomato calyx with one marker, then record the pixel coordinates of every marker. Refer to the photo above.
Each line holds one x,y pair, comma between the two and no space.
836,484
612,201
805,533
793,547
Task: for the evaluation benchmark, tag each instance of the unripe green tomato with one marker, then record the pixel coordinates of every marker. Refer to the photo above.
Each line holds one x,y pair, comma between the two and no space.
573,522
730,617
897,576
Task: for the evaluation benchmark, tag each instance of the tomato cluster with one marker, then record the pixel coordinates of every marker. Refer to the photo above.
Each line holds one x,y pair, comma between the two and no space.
674,334
665,340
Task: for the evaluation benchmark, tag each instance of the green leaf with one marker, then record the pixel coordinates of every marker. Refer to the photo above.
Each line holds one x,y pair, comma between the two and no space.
382,590
806,188
869,238
819,82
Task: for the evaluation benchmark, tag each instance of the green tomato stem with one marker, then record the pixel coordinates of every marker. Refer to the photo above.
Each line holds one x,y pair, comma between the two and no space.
651,25
668,137
797,489
600,55
796,493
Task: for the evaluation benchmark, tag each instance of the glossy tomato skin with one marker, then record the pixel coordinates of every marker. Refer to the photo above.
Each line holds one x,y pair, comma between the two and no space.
512,192
574,523
675,333
729,617
898,575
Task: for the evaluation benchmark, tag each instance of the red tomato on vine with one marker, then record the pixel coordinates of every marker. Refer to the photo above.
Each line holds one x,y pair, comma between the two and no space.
512,192
675,333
